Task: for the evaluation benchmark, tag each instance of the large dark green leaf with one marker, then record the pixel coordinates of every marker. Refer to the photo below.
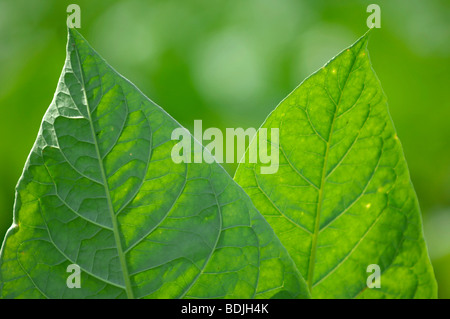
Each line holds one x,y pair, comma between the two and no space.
101,190
342,198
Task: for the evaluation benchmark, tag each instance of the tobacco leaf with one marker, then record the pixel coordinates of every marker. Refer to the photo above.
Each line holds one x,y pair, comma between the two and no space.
342,198
100,190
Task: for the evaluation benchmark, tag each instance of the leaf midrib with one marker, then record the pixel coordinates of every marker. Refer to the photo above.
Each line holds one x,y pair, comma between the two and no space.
120,253
312,258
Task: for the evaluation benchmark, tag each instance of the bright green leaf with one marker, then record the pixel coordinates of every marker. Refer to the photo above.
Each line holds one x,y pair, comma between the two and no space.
101,190
342,198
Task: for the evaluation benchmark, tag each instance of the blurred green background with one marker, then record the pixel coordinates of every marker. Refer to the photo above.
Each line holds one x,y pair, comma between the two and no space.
230,63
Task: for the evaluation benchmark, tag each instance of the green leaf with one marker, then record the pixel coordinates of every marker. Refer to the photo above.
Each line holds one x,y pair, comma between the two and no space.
101,190
342,198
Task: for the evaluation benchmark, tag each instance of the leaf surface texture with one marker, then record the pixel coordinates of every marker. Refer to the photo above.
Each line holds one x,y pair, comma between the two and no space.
342,198
100,190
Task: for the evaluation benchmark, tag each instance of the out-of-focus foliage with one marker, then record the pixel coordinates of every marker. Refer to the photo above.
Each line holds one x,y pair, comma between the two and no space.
229,63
